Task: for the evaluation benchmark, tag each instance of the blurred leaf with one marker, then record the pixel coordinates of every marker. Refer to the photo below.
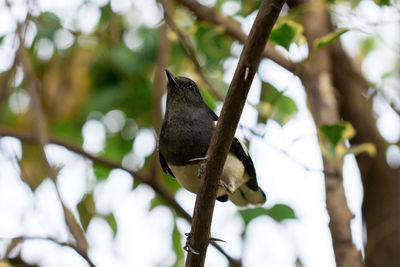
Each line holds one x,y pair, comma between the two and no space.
101,171
121,79
67,130
382,2
177,246
2,38
368,148
367,45
171,183
75,229
279,213
33,170
248,7
110,219
274,105
47,24
3,263
333,138
337,132
287,31
87,210
157,201
66,83
327,39
116,147
353,3
212,45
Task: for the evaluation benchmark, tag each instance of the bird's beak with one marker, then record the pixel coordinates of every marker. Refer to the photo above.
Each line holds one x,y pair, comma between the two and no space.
171,79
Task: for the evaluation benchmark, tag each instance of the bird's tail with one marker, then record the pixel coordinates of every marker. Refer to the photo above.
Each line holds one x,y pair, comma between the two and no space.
244,196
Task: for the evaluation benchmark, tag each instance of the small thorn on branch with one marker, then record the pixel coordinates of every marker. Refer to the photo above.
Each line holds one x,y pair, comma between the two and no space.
246,73
213,239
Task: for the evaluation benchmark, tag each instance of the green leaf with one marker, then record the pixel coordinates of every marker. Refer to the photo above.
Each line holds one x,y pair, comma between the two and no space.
337,132
157,201
367,45
110,219
2,38
287,31
274,105
87,210
101,172
212,44
116,147
279,213
332,139
382,2
327,39
177,246
248,7
47,24
33,171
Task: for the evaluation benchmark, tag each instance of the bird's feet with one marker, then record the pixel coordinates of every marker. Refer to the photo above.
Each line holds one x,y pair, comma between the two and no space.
228,186
190,249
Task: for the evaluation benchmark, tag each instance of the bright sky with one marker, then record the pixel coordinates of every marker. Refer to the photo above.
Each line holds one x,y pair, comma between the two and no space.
143,237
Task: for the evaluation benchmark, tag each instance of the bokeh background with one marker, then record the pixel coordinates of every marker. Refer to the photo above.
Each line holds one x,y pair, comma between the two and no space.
82,93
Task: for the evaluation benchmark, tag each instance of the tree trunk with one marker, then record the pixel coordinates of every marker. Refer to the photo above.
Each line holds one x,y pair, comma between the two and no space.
381,206
316,76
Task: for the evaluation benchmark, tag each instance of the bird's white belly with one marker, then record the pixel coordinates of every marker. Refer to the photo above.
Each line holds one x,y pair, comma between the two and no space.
232,174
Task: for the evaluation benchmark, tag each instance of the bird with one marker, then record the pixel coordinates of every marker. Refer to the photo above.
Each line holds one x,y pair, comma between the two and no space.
184,138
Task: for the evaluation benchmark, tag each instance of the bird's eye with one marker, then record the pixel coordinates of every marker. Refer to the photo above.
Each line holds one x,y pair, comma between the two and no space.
191,87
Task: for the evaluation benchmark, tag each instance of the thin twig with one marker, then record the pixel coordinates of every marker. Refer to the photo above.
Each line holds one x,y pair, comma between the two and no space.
32,85
54,240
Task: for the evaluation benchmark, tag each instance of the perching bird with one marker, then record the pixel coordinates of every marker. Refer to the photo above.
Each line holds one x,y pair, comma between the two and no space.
184,140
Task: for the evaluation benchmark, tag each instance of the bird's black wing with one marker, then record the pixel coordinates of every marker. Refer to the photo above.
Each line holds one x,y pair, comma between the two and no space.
214,116
164,164
238,150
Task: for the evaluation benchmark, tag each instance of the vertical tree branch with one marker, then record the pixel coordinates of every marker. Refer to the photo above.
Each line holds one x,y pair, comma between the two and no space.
316,76
381,205
227,124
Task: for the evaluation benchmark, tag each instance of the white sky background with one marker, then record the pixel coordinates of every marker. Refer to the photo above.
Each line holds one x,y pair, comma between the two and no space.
142,235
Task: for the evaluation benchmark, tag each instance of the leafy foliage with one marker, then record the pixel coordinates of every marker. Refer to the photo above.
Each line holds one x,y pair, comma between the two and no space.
86,210
274,105
110,219
278,212
286,32
333,141
99,72
325,40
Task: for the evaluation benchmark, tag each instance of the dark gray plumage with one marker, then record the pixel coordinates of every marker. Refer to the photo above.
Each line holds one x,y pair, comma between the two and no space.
184,140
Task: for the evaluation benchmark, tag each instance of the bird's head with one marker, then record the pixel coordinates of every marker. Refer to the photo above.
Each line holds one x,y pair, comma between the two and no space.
183,90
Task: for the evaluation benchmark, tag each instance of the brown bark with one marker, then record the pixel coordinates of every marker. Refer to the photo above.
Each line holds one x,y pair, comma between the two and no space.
226,127
316,76
381,205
